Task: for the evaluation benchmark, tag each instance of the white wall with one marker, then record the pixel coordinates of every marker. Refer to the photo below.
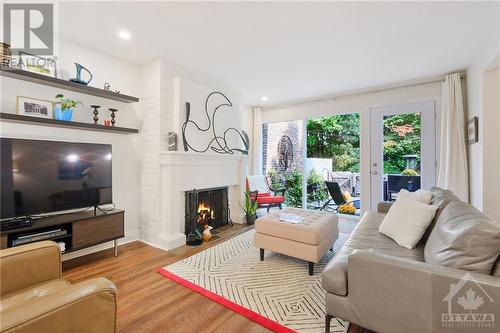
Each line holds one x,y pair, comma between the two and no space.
122,76
491,159
362,103
475,77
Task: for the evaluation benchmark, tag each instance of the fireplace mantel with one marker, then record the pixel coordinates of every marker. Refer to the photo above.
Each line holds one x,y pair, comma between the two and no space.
185,171
190,158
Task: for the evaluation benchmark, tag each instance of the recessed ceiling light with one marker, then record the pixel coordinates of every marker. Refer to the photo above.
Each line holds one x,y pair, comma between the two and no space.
263,98
72,158
124,34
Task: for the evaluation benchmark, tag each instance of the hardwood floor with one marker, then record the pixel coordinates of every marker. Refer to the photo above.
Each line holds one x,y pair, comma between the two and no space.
148,302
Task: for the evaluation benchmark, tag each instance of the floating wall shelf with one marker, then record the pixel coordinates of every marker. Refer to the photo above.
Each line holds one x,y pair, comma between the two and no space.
60,123
63,84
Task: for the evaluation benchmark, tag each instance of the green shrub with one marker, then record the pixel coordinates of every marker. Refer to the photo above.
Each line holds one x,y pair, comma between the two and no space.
409,172
314,178
293,195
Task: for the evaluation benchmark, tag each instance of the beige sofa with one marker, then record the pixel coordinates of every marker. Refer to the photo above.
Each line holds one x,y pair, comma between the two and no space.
377,284
35,298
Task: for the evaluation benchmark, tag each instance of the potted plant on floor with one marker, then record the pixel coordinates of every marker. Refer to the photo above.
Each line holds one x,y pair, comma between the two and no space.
250,207
64,107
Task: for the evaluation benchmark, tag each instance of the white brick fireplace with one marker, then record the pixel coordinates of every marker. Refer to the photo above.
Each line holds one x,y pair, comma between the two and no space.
166,175
185,171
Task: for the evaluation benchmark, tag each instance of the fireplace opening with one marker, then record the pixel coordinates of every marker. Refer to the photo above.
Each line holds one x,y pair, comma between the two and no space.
205,207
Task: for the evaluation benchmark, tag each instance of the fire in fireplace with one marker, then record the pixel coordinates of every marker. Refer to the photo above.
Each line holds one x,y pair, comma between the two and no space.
205,207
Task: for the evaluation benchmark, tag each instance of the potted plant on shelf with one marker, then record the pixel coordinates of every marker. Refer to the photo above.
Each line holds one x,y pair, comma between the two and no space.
64,107
250,207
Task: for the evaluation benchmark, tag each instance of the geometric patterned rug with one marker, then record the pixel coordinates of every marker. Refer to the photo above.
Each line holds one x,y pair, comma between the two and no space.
278,292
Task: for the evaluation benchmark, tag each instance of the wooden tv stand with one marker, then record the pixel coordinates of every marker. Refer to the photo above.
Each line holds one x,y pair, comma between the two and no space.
83,229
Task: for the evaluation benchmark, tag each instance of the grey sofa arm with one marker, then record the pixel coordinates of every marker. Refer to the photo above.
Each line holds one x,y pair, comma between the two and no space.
384,206
401,295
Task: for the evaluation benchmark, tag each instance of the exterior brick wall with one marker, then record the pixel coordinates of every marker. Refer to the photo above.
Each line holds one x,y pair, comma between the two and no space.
271,136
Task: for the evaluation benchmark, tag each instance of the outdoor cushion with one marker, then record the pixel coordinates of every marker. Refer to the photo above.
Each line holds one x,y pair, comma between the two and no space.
270,199
464,238
257,183
364,236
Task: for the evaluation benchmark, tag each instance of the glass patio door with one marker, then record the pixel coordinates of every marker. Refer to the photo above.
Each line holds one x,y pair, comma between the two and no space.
403,150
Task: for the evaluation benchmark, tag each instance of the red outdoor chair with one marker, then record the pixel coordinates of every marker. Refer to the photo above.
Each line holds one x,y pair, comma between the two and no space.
265,195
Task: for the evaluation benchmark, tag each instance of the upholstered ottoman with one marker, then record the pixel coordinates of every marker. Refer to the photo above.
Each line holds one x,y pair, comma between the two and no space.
308,240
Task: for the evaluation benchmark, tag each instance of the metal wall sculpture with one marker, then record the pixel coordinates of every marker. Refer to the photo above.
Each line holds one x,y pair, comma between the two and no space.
218,142
285,152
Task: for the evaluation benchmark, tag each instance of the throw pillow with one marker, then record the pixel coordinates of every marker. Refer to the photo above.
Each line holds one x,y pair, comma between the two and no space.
463,238
406,221
424,196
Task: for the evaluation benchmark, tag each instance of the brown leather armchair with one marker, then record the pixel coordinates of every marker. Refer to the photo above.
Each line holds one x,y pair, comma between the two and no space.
35,298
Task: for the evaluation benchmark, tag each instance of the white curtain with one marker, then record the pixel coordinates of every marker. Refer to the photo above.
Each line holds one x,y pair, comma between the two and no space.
453,173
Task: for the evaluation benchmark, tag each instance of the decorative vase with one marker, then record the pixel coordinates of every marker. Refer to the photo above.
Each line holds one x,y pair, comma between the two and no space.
250,219
206,233
78,78
65,114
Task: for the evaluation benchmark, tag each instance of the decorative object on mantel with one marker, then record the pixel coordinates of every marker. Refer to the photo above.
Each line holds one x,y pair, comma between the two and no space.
95,112
218,140
207,235
34,107
40,65
5,54
107,87
78,78
172,141
473,130
113,121
107,123
64,107
250,208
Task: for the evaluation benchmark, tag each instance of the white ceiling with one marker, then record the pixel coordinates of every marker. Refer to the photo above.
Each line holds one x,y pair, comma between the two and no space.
291,50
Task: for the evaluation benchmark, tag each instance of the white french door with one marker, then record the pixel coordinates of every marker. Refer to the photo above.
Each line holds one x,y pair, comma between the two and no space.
403,149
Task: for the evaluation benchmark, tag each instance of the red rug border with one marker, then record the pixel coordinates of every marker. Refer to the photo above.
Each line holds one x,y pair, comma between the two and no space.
252,315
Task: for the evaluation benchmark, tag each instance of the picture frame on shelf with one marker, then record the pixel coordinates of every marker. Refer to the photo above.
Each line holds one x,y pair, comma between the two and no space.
473,130
34,107
36,64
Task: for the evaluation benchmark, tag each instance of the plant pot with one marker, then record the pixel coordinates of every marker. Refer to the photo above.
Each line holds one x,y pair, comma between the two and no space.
250,219
65,114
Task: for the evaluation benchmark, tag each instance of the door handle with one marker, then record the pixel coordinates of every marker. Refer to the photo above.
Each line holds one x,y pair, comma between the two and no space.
375,172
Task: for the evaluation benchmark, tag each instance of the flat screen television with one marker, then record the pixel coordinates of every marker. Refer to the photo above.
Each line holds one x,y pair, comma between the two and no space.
49,176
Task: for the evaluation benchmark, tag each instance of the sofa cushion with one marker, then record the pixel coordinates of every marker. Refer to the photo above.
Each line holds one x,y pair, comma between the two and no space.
33,292
464,238
407,221
364,236
496,268
440,198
